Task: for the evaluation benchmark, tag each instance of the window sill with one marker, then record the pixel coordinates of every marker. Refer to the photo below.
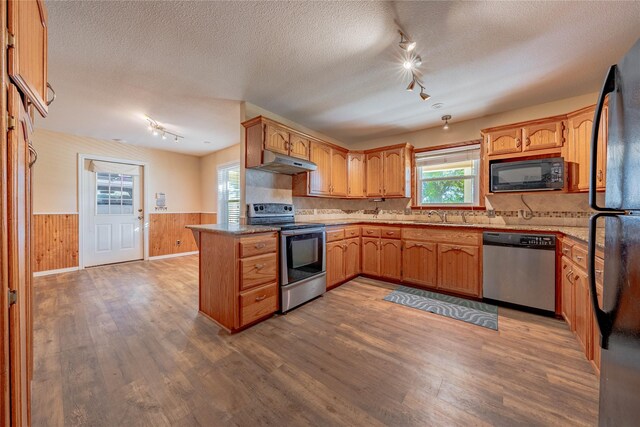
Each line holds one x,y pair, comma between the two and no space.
450,207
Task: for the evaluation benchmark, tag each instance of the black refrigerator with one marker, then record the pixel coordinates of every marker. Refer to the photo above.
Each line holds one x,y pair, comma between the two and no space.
619,317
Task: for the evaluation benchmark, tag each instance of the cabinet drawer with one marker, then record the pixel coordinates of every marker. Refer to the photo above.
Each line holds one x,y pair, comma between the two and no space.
368,231
258,270
566,248
350,232
257,303
579,256
599,271
334,234
441,235
390,232
250,246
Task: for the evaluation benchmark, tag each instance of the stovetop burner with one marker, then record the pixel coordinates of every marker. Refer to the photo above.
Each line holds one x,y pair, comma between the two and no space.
298,225
276,214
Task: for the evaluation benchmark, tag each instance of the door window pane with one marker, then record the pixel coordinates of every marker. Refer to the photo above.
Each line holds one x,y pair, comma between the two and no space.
114,194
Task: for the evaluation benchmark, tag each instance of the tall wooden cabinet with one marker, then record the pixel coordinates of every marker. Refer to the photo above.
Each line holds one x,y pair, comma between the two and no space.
578,150
24,84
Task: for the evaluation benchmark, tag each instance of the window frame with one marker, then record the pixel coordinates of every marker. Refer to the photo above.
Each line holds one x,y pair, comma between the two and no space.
224,201
441,149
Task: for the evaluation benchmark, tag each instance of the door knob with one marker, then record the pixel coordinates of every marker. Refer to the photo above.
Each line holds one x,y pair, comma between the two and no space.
141,217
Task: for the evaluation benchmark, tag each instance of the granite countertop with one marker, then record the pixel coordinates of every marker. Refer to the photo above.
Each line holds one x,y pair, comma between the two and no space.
232,229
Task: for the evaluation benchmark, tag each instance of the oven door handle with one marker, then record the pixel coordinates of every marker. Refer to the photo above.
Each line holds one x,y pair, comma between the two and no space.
302,231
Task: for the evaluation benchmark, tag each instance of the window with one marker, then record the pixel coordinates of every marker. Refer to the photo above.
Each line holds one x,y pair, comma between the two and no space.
229,194
114,194
449,176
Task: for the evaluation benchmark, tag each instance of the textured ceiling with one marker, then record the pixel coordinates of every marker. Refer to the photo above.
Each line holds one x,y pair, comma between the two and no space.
331,66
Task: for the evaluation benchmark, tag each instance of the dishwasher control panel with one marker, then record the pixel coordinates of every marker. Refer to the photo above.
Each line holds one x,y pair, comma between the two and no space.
533,241
530,240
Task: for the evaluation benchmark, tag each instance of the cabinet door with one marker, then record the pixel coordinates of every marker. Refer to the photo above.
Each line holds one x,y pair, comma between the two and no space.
393,173
276,139
579,148
459,269
374,174
299,147
601,172
419,263
338,173
583,310
504,142
596,352
27,21
371,256
352,257
391,258
567,307
356,175
335,263
543,136
320,179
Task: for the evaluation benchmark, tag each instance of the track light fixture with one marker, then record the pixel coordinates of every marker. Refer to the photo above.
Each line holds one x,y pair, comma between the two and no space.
157,129
414,80
406,43
424,95
446,119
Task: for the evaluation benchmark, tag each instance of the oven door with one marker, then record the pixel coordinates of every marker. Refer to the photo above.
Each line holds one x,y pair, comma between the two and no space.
302,254
533,175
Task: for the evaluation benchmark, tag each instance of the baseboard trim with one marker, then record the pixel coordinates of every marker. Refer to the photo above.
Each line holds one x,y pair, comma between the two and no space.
152,258
58,271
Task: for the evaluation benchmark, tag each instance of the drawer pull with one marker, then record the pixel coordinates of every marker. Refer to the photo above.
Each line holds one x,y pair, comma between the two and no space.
565,251
261,297
369,232
260,245
578,257
259,266
390,233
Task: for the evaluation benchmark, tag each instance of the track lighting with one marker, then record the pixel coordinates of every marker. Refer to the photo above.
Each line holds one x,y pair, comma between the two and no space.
424,95
412,63
157,129
412,84
406,43
446,119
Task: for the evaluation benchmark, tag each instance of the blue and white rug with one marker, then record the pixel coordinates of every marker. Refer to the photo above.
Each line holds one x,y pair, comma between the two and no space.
478,313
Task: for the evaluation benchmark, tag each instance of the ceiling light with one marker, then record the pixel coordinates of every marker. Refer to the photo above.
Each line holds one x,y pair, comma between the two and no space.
412,84
164,135
412,63
154,132
446,122
406,43
424,95
157,129
175,139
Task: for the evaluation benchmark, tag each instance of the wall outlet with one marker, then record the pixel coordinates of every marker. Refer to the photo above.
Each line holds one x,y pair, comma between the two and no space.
178,242
491,213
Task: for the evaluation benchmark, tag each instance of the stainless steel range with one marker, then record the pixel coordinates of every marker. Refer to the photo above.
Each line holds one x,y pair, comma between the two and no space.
303,273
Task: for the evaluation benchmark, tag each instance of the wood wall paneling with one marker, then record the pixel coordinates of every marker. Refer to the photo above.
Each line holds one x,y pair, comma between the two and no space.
55,241
208,218
166,229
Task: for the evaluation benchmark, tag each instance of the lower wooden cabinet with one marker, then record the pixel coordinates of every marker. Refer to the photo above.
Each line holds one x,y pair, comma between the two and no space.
459,269
391,259
583,311
371,256
335,263
352,257
568,293
420,263
343,255
258,303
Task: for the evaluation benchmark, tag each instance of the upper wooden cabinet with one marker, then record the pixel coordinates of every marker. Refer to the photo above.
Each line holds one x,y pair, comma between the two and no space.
27,53
339,174
320,179
578,149
356,175
389,171
265,134
544,136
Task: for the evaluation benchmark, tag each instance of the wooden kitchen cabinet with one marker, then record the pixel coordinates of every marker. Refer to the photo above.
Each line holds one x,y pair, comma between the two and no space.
299,146
335,263
352,258
374,174
27,51
504,141
583,311
276,138
339,174
391,259
568,293
419,263
578,150
320,179
542,136
393,181
356,175
371,256
459,269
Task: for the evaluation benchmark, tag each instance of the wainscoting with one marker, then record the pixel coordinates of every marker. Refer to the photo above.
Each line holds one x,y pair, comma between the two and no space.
55,237
55,241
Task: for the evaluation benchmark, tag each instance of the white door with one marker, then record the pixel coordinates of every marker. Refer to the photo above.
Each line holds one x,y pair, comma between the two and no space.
113,214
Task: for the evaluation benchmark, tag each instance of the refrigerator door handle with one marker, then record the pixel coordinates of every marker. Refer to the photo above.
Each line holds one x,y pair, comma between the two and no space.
608,87
605,319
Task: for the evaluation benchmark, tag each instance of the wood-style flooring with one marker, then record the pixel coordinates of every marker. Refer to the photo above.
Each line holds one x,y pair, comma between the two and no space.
124,345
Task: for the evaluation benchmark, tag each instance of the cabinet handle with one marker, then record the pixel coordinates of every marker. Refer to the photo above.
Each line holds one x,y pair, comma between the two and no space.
369,231
565,251
34,154
518,142
579,258
390,233
260,245
53,92
568,275
259,266
261,297
527,141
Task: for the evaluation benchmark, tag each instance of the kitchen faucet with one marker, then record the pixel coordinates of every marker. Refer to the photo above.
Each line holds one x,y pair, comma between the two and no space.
463,214
443,219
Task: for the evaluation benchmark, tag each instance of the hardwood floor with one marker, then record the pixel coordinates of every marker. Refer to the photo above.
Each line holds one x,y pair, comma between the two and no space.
124,345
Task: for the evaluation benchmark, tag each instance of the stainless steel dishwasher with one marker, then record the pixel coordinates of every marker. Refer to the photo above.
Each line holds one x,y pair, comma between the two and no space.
520,269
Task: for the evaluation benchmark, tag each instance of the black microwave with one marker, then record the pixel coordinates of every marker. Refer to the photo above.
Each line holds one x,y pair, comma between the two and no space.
527,175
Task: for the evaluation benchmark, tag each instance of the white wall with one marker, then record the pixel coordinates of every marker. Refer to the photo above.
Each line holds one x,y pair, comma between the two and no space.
209,175
55,175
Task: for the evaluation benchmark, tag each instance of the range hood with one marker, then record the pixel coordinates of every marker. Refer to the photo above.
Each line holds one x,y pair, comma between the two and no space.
281,163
